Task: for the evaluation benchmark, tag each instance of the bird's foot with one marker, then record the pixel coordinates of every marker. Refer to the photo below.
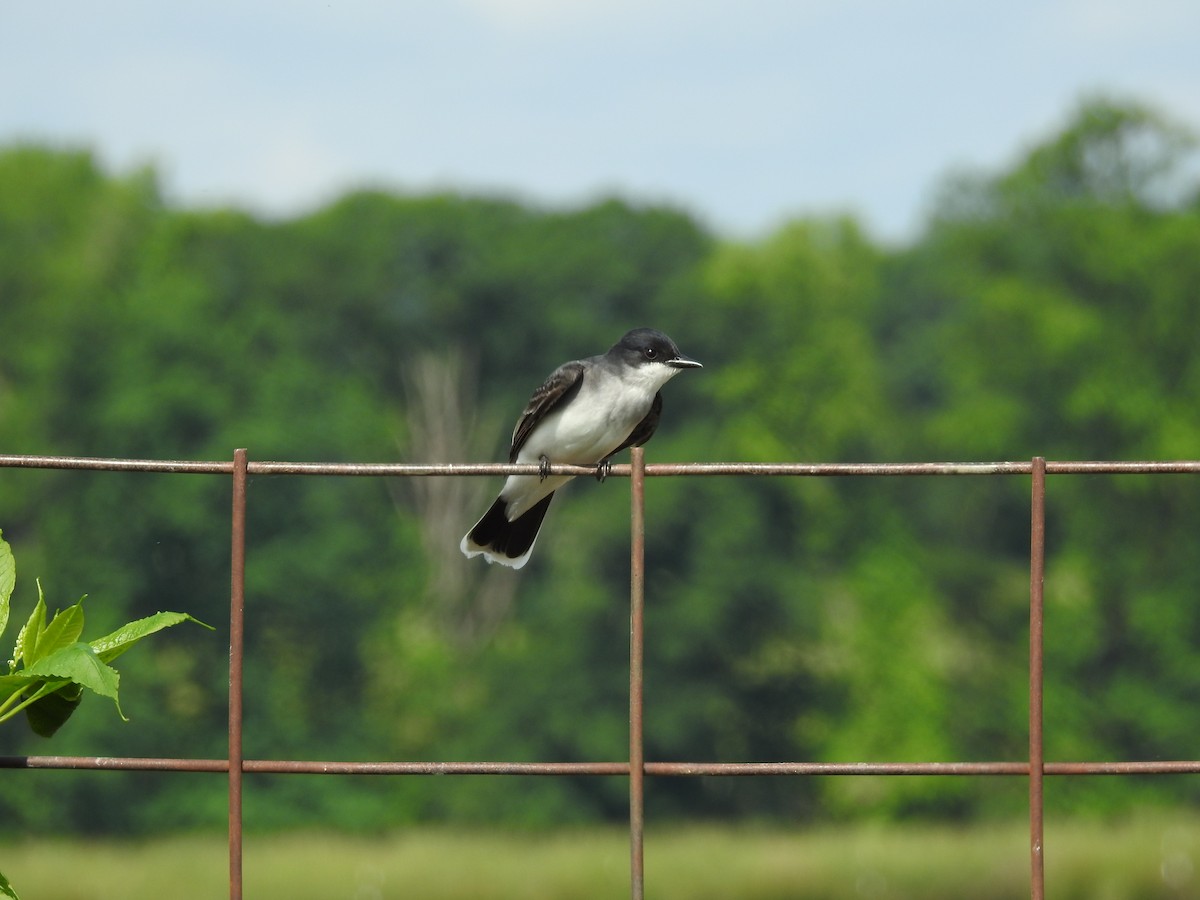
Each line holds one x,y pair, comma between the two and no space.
603,469
543,467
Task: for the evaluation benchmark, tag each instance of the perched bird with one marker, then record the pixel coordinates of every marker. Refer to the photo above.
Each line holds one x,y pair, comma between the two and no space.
587,410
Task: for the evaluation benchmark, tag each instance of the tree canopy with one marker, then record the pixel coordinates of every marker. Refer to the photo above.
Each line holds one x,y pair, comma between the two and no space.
1046,309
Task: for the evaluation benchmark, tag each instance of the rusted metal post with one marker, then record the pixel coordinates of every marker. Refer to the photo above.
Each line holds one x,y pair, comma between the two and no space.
237,606
1037,571
637,596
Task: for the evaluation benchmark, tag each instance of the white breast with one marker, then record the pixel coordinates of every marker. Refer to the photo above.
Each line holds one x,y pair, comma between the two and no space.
598,419
593,425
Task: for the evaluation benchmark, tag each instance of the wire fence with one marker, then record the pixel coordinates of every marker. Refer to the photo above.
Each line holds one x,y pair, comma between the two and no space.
635,768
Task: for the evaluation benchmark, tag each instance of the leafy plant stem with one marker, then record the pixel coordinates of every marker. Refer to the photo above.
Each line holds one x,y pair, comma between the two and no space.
44,690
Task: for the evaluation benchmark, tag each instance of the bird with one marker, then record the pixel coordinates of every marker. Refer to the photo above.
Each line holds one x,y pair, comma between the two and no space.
585,412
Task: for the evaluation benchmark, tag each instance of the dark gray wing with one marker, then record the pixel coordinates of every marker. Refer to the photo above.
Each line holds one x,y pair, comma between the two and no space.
645,429
562,385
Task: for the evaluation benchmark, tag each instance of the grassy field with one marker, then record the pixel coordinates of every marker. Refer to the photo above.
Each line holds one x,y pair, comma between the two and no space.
1139,859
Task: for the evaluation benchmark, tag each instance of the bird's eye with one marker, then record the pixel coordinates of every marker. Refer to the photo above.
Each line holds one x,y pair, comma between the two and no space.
651,353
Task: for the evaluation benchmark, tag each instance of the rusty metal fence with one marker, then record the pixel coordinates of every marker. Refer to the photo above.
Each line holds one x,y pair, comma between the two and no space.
636,768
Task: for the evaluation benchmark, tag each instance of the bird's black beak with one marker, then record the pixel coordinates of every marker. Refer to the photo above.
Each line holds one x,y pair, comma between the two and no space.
682,362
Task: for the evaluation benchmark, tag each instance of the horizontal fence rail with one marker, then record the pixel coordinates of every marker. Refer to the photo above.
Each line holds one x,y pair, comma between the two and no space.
240,468
409,470
666,769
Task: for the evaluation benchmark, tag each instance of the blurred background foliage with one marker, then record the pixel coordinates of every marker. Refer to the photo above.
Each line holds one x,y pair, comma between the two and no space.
1049,309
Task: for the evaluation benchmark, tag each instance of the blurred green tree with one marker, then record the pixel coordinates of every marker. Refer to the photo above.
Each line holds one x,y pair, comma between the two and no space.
1046,309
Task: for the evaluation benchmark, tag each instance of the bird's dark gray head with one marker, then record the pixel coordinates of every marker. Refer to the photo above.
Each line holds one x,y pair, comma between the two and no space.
645,347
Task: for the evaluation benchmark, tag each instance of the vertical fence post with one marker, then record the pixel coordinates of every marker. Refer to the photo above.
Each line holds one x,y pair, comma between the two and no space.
237,604
637,596
1037,570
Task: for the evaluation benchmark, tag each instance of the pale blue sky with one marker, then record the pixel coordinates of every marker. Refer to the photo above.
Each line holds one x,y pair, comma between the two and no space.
743,113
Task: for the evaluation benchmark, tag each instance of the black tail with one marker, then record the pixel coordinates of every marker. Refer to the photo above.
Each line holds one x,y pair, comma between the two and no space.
502,541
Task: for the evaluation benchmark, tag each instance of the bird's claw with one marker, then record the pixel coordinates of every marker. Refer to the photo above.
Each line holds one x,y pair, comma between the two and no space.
603,470
543,467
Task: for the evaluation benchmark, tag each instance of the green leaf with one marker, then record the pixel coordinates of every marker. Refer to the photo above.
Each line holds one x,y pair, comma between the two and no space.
8,579
51,712
6,889
113,645
78,663
27,639
62,631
